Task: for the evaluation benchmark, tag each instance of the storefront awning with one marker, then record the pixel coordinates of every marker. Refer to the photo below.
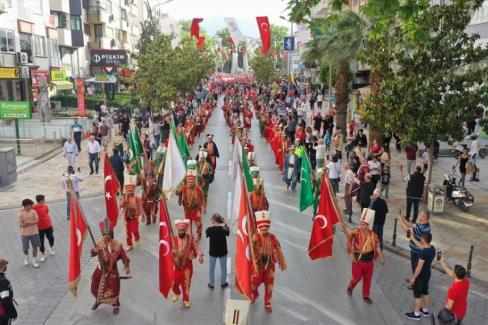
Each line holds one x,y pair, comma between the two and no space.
63,84
93,80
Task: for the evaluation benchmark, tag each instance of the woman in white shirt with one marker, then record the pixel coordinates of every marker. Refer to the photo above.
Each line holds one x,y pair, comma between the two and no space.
334,168
374,169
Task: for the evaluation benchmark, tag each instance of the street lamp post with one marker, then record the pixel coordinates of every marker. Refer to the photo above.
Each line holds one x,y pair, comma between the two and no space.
289,61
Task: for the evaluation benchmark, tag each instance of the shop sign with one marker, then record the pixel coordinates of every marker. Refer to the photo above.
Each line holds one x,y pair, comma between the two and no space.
105,78
15,110
108,58
37,76
9,73
57,75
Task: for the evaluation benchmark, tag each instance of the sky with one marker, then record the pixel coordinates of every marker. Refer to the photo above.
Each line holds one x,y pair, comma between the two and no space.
213,12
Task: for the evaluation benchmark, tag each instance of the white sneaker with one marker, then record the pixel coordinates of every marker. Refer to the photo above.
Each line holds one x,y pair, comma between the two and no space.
51,251
43,257
26,261
34,263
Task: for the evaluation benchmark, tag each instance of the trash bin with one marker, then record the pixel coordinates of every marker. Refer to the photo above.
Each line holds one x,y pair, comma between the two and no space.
436,201
8,166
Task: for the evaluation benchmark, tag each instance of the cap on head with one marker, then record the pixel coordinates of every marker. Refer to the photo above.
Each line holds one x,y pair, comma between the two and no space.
367,217
106,227
182,224
263,222
254,170
191,164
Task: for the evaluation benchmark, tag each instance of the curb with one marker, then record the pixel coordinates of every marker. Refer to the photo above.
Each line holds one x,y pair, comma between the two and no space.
402,252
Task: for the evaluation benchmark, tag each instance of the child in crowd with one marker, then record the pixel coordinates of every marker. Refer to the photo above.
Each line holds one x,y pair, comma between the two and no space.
385,181
327,140
45,225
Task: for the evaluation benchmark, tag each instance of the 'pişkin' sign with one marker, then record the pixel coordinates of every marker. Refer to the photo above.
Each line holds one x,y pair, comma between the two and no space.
108,58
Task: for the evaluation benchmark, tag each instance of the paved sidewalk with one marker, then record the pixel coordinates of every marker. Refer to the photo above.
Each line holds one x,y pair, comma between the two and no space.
46,177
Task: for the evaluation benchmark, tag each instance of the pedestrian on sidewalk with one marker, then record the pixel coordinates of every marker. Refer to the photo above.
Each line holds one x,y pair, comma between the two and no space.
421,276
334,169
77,131
29,233
118,166
385,181
364,246
94,150
338,143
71,180
457,295
70,150
417,229
415,190
374,169
380,207
320,153
45,225
327,140
8,313
320,99
473,153
426,159
349,177
411,155
366,189
462,161
217,234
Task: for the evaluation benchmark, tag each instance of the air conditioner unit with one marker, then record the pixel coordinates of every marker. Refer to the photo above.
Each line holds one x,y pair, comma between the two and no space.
21,58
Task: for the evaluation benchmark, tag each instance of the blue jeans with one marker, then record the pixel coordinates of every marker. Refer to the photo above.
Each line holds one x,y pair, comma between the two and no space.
68,195
93,158
223,269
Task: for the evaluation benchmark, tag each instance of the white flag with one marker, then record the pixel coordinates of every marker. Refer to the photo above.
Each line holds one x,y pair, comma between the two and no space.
236,199
234,31
236,157
174,167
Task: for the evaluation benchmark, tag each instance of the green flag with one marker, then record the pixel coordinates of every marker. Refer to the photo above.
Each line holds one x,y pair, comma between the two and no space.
247,171
306,192
135,152
180,142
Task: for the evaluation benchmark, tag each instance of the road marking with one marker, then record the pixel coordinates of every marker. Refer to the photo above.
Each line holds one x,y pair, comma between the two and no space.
287,206
230,168
297,315
229,265
299,231
296,297
300,247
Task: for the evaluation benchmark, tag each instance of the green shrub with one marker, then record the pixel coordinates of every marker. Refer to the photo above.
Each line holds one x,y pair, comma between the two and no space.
120,100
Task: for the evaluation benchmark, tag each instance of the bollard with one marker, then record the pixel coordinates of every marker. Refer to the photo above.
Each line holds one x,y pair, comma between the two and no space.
470,259
393,243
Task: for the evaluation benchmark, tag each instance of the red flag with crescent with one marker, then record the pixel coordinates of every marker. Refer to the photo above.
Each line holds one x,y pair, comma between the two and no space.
77,235
243,257
265,31
166,263
112,186
195,27
322,236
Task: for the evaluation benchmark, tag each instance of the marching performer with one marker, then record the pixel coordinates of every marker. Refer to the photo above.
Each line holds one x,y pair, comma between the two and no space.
212,151
267,252
105,281
257,197
185,250
364,246
192,198
205,170
132,210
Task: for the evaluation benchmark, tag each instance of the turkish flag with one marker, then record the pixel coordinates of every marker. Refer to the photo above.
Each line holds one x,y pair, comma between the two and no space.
166,262
243,259
112,186
265,31
77,232
322,236
201,42
195,28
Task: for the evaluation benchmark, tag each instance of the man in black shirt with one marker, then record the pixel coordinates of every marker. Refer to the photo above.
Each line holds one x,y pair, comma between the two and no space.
218,249
381,209
366,189
118,166
8,312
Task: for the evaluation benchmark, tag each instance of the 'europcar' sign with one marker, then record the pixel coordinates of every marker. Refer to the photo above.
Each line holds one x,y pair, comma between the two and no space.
108,58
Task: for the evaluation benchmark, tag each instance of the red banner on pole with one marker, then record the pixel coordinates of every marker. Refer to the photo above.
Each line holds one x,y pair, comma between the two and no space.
80,91
265,31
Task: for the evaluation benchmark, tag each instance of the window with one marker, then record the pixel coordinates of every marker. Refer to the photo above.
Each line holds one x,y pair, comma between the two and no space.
123,14
75,22
40,45
53,46
109,8
26,45
98,31
61,21
7,41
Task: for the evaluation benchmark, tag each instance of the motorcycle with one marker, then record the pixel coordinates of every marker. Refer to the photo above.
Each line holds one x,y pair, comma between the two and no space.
460,196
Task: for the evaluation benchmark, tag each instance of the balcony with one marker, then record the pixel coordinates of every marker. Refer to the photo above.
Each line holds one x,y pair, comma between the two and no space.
64,37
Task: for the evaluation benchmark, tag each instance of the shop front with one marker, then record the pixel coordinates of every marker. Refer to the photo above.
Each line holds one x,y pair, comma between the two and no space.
60,83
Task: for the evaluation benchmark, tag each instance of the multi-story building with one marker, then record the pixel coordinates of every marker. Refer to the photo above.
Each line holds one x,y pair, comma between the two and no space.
113,28
169,26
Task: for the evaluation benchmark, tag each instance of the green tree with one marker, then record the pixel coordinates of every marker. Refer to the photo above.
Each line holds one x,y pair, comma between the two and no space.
149,31
210,41
438,84
263,68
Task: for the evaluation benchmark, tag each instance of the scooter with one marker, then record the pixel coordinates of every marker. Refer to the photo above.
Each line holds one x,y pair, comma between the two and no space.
461,197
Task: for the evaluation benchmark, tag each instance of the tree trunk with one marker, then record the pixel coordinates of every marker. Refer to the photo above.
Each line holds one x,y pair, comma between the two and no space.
342,97
375,132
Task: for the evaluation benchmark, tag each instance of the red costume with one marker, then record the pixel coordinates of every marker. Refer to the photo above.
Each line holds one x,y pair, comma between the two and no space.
185,250
151,193
132,206
267,252
105,281
192,198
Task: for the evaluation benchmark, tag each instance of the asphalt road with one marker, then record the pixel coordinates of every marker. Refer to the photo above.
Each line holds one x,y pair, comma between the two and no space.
306,293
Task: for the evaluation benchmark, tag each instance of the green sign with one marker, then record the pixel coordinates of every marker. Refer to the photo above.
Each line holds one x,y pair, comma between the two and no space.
10,110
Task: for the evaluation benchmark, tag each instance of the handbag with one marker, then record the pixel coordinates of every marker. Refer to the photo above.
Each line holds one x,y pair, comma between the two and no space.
446,316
